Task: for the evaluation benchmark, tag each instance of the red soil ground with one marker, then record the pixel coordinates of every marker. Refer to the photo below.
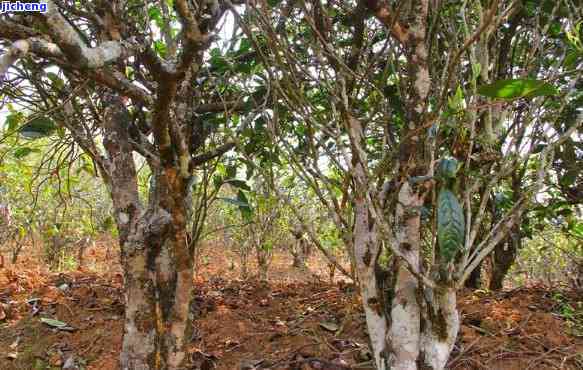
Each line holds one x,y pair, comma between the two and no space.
296,321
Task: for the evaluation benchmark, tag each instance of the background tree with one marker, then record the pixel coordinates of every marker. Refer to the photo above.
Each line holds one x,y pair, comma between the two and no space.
48,182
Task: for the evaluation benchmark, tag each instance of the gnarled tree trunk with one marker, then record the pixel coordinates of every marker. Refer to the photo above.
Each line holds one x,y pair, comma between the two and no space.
156,258
411,326
158,288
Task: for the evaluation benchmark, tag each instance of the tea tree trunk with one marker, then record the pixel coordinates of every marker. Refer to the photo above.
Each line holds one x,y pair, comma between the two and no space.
156,259
411,326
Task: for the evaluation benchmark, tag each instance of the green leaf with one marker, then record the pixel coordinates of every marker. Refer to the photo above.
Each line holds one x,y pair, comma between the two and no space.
160,48
571,59
273,3
514,89
218,62
38,127
242,198
455,102
450,225
231,171
217,180
476,70
156,15
244,46
13,120
23,152
238,184
447,168
57,82
246,211
236,202
577,229
53,323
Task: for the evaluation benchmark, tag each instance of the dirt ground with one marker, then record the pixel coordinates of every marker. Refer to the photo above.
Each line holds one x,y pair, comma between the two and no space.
298,320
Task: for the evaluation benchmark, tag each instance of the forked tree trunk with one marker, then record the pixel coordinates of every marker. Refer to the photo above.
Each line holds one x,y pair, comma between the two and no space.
156,259
410,326
158,271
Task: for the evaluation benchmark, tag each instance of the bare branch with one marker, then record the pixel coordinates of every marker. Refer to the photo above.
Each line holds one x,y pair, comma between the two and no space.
74,46
21,48
388,17
200,159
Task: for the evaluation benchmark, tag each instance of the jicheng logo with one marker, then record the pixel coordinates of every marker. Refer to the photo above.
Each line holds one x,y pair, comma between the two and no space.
18,7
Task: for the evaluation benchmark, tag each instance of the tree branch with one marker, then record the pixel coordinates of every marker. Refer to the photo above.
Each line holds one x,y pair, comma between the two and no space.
200,159
74,46
388,17
14,31
221,107
192,34
21,48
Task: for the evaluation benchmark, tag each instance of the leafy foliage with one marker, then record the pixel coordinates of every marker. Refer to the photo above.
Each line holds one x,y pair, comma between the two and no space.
38,127
517,88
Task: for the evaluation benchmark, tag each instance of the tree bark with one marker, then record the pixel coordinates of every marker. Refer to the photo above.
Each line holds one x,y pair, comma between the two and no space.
263,261
502,260
299,261
506,251
158,290
366,250
475,280
300,250
410,326
156,258
158,265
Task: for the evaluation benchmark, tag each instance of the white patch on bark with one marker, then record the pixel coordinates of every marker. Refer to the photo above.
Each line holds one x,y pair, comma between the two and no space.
376,324
123,218
366,248
134,339
21,48
66,35
422,86
404,333
17,50
405,328
138,343
436,350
